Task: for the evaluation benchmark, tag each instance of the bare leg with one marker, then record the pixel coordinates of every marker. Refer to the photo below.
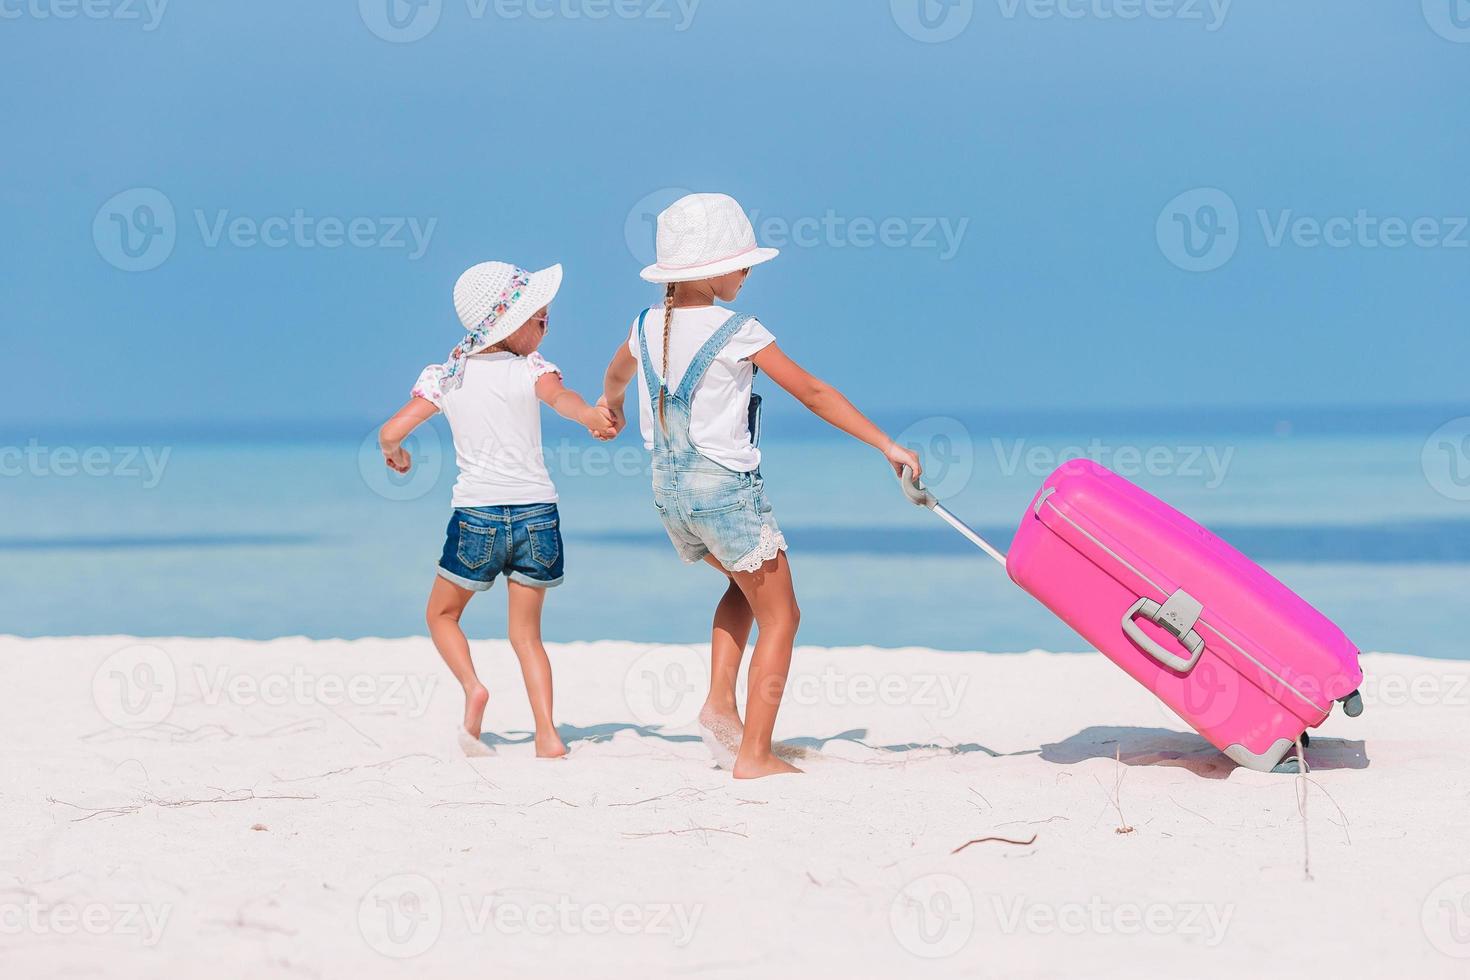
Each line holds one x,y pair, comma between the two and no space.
525,638
447,602
772,598
733,622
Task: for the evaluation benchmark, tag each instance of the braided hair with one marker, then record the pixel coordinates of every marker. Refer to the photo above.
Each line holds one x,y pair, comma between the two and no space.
663,388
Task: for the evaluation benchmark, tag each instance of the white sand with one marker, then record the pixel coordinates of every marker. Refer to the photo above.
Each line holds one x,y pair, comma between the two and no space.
294,829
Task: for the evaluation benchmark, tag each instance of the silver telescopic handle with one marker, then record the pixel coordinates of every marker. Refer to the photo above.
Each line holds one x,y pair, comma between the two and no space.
921,497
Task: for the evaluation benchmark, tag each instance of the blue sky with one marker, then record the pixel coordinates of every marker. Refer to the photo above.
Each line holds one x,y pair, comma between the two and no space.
990,221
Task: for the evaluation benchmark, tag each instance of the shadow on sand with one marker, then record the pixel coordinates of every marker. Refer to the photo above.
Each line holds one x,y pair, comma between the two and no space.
1135,746
1184,750
601,733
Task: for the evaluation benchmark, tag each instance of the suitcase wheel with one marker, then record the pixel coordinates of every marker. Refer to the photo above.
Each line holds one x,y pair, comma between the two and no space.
1352,705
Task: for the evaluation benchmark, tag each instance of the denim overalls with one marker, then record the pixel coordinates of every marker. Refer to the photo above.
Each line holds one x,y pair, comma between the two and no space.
707,508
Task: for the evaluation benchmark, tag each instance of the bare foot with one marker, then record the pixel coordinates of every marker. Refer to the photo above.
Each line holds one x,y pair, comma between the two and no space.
759,766
550,745
721,730
475,700
472,747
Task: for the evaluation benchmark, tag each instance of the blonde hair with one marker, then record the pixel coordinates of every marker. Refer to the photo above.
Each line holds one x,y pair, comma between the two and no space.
663,389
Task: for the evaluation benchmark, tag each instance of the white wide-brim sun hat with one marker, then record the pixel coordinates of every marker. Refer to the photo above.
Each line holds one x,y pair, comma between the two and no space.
702,236
495,299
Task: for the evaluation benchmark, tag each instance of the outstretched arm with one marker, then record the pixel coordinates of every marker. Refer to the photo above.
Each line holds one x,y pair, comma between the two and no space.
398,428
829,404
620,373
573,407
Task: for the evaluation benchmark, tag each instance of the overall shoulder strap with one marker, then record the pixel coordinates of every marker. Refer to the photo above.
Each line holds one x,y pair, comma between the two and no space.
650,380
708,353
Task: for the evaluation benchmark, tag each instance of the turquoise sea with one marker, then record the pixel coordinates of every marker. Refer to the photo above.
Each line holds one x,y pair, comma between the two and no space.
239,531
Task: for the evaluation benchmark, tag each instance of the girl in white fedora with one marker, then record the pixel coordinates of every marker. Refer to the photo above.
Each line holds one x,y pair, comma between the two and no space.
701,421
505,518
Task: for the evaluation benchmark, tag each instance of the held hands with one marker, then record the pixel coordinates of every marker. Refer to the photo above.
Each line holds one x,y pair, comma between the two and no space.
898,457
616,420
601,424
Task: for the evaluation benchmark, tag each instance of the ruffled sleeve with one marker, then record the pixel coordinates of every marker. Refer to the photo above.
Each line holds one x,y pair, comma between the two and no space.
430,385
540,365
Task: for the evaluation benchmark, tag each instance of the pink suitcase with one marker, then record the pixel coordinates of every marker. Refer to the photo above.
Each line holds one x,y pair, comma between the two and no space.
1230,649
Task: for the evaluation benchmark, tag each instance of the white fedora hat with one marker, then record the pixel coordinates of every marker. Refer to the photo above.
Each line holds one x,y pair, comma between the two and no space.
702,236
495,299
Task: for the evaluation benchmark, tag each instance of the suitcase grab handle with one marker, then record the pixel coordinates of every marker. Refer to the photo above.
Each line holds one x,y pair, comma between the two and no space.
1154,613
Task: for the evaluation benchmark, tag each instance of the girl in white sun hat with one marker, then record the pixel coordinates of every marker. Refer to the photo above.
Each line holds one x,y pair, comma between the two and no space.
505,516
701,421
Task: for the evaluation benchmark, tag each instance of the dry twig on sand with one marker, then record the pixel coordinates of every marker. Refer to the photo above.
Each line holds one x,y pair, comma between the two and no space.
1116,797
682,791
998,840
640,834
239,796
1300,788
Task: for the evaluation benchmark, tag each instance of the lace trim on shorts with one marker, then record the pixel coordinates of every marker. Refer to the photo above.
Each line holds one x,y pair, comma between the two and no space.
771,544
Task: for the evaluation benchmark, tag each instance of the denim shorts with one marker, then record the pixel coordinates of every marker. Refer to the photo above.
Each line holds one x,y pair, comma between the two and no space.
524,542
708,509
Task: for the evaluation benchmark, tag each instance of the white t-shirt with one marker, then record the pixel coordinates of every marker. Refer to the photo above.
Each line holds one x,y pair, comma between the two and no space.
719,424
495,417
